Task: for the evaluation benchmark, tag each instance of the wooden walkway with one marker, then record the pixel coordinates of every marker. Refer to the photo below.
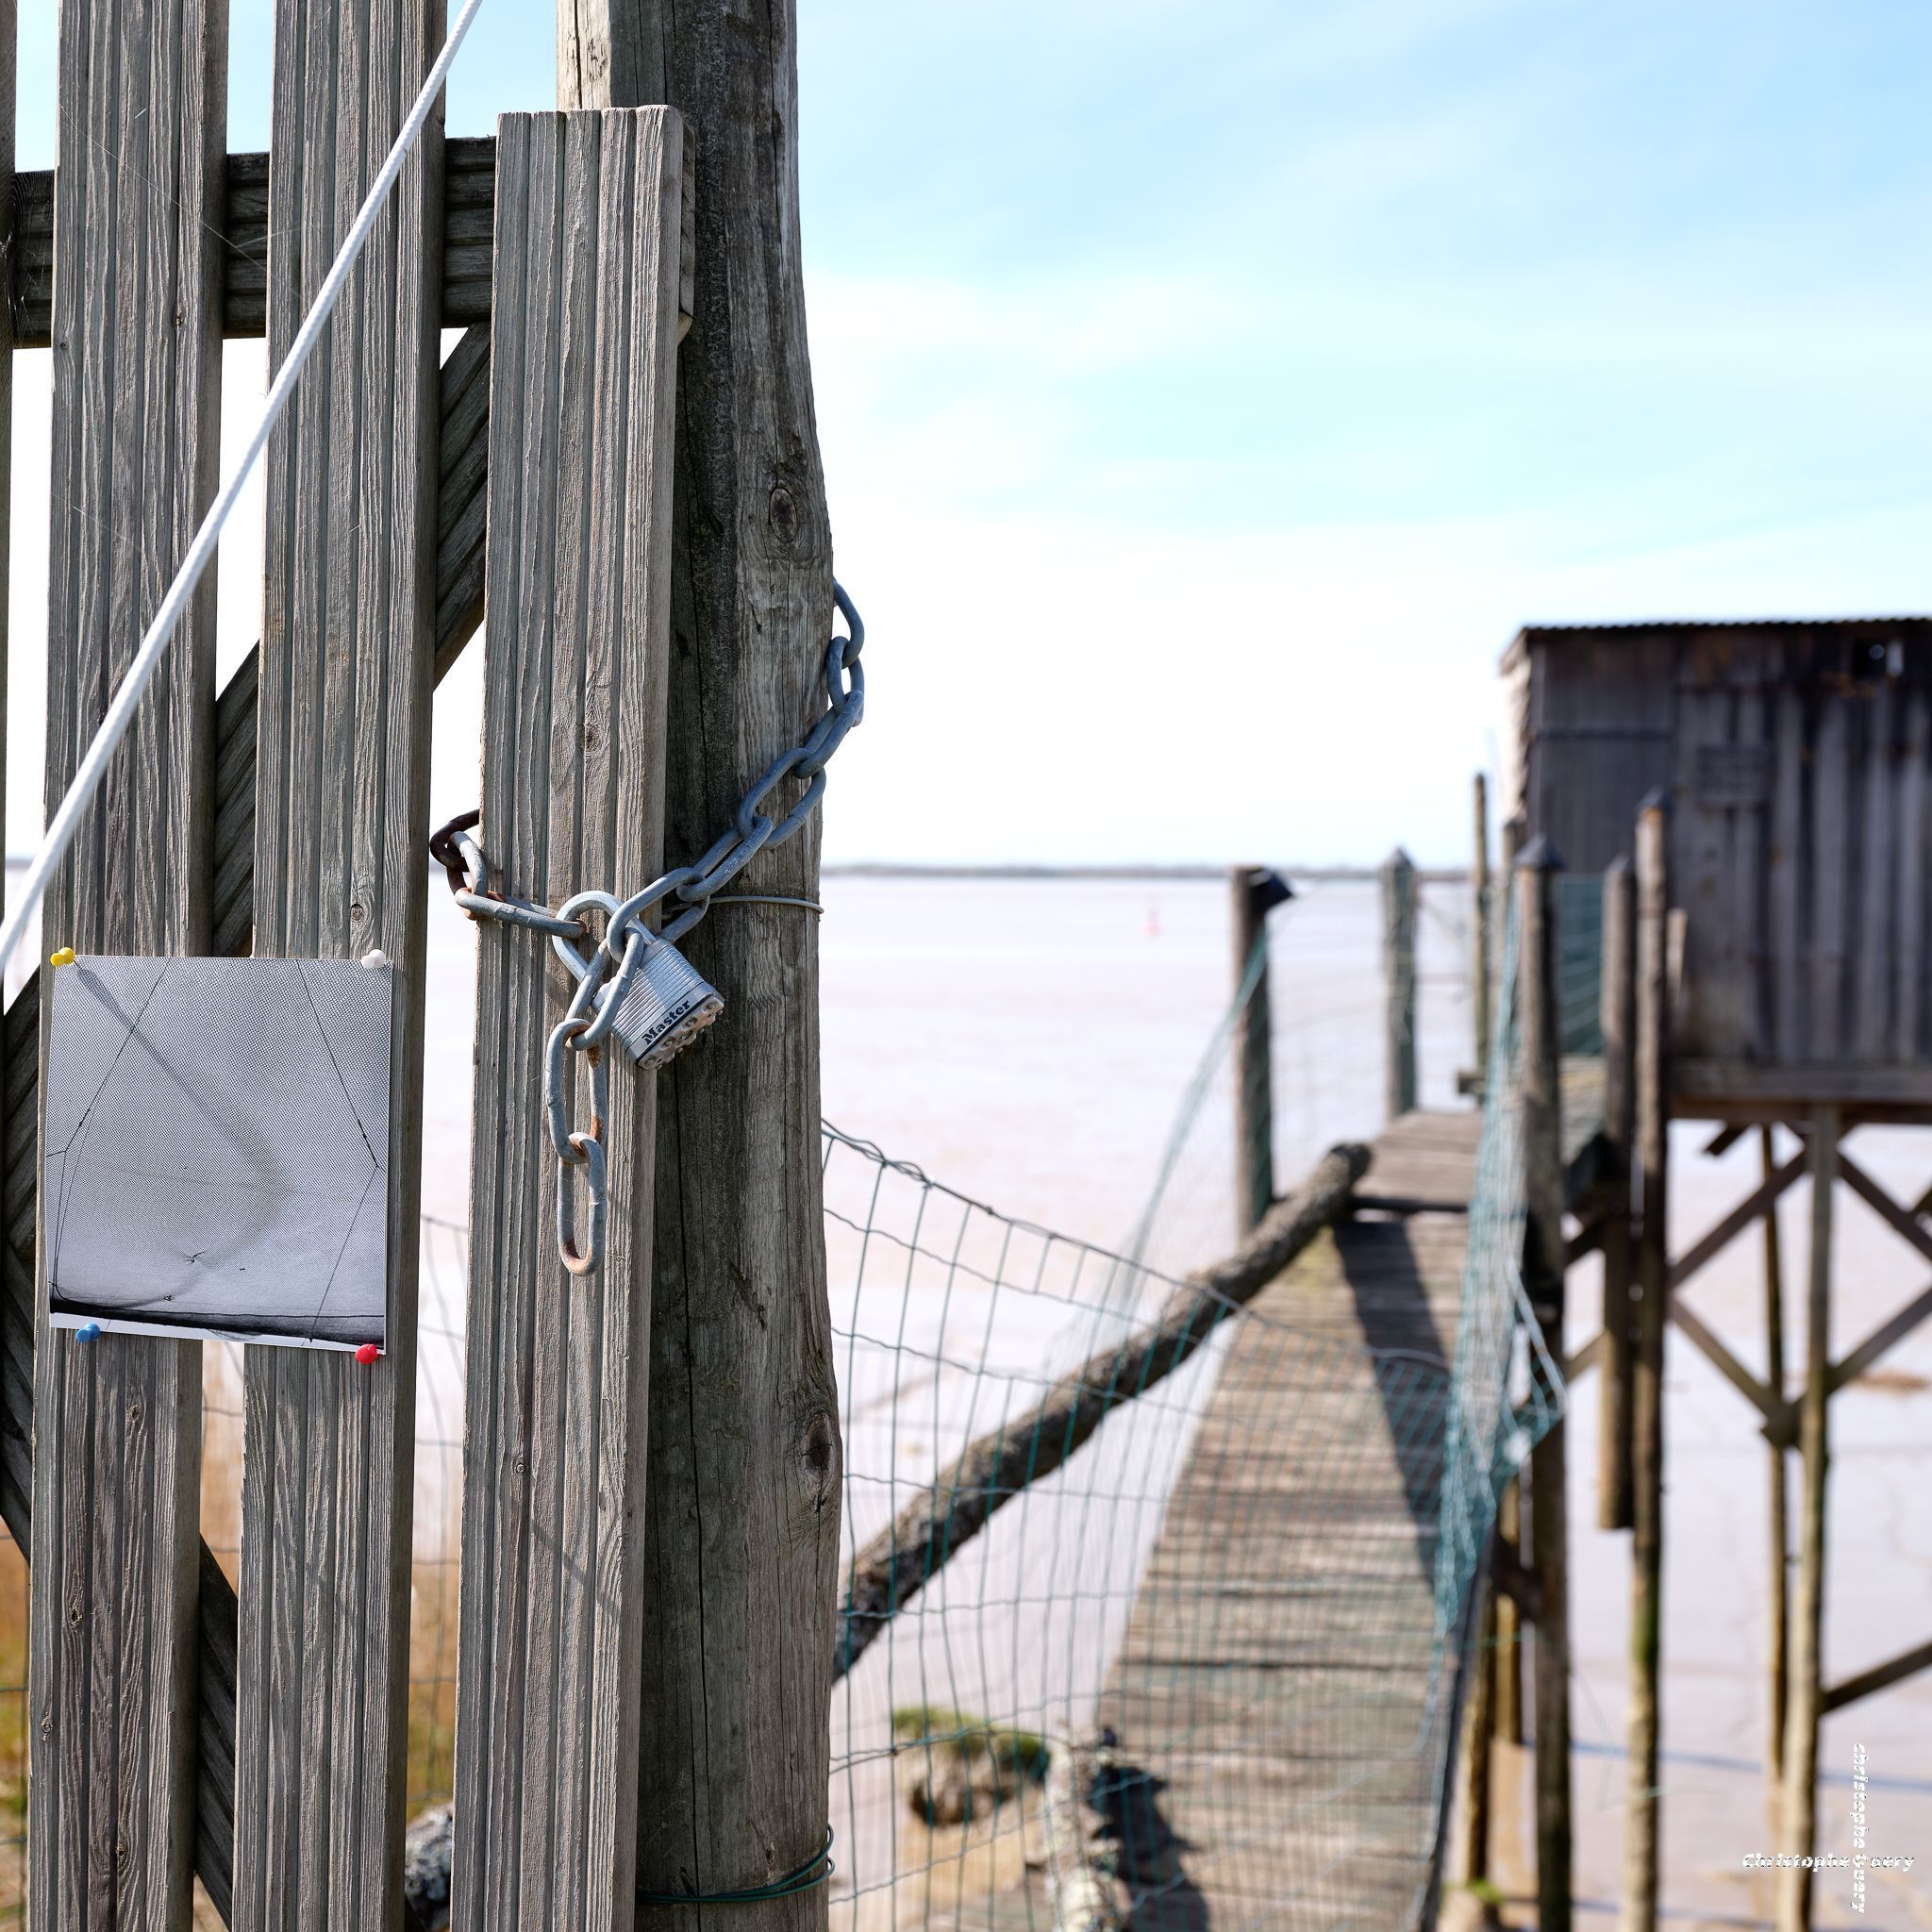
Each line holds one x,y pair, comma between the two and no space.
1270,1701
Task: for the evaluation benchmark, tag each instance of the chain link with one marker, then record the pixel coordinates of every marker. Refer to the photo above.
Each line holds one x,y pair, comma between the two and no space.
633,970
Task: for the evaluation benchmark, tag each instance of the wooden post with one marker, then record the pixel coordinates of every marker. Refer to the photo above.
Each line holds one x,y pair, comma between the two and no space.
16,1282
1253,893
1481,938
1803,1699
342,811
1542,1281
1618,1012
1779,1608
1510,1522
554,1506
1510,1626
1477,1725
1398,980
1641,1830
142,117
743,1539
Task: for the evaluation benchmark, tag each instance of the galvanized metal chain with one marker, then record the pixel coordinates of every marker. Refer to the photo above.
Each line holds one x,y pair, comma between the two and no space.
633,984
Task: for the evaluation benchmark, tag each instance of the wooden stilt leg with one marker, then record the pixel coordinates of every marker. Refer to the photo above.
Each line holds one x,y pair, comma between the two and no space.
1780,1523
1804,1700
1474,1863
1543,1251
1506,1667
1641,1831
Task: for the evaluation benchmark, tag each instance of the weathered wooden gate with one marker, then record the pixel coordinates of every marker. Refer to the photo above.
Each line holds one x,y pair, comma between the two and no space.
256,1739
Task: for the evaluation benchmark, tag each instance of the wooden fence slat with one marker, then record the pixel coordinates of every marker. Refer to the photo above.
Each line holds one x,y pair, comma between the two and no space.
137,398
582,413
342,766
16,1284
465,430
469,192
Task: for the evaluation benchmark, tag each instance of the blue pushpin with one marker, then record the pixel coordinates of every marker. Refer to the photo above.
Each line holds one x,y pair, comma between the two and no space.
88,1331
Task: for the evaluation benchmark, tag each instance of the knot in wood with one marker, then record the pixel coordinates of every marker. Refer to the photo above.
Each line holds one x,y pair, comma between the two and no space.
782,510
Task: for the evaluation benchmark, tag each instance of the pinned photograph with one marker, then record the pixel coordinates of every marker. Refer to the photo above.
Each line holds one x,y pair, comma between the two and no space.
217,1149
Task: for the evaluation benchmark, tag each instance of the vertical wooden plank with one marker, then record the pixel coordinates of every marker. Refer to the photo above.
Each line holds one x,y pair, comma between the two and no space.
1832,786
137,400
1507,1669
1803,1698
1618,1016
1398,984
1789,885
341,802
590,209
1642,1834
1908,990
1253,891
1542,1281
1876,795
1481,932
16,1285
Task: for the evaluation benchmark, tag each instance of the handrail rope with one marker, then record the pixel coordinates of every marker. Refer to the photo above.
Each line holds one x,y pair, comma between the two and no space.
114,726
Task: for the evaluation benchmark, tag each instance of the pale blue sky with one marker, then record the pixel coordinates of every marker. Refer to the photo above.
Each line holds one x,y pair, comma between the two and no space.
1209,389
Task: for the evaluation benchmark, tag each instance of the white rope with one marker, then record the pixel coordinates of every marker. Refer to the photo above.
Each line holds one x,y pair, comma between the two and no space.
113,728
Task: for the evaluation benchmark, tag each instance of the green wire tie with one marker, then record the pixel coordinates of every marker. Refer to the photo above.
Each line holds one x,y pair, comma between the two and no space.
813,1872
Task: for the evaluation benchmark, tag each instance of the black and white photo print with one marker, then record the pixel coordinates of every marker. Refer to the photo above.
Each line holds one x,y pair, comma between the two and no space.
216,1149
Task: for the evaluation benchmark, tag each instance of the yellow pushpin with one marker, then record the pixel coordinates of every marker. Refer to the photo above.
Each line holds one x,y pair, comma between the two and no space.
63,958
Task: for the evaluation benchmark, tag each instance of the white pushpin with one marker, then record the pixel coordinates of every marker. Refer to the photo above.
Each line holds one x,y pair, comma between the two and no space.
375,959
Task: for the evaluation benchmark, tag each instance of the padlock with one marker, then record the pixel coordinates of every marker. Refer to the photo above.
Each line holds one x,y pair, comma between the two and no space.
664,1006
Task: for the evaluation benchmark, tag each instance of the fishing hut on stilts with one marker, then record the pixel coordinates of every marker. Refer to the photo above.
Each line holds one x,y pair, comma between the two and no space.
1750,807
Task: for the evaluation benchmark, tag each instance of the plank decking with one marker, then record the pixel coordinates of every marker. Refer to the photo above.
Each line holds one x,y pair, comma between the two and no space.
1271,1704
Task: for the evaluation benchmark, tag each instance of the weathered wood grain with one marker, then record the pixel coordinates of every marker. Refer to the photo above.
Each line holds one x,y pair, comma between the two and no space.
469,185
744,1457
1398,984
1618,1024
16,1284
136,401
1279,1667
1804,1692
582,413
1538,1074
1252,891
460,558
1654,1074
340,821
1799,758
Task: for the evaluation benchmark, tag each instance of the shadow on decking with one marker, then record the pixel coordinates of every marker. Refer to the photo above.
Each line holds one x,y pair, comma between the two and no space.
1390,1287
1147,1849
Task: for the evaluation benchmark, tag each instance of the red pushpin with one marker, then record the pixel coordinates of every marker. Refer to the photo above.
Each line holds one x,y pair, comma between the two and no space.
367,1355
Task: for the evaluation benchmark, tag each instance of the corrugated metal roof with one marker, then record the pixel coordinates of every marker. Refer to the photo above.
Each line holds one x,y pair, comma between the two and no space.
1535,636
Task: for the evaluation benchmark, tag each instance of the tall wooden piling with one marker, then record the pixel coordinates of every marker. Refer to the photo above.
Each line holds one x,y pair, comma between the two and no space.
745,1461
1543,1280
1778,1569
581,407
1399,984
341,820
1641,1828
136,325
1254,891
1804,1697
1481,935
1617,1021
1478,1723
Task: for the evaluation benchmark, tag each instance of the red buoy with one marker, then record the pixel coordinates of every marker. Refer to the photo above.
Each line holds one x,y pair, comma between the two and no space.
368,1353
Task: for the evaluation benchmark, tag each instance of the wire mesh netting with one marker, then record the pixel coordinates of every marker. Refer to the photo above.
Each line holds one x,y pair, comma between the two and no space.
1206,1653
